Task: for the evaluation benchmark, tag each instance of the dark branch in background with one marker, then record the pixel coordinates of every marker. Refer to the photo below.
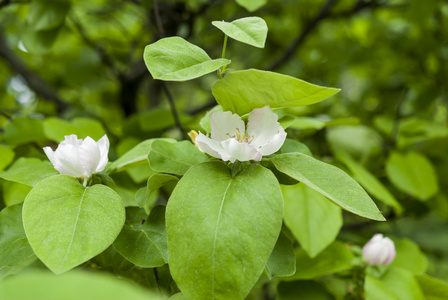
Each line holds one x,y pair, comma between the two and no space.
164,85
8,2
34,81
323,13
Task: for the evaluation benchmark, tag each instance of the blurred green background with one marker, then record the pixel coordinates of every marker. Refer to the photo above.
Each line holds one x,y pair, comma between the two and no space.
77,67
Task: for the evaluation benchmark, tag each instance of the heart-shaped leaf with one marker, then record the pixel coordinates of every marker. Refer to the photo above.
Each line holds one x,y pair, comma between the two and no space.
67,223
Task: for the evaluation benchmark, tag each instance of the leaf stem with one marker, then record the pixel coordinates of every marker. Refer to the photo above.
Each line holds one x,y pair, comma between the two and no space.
224,47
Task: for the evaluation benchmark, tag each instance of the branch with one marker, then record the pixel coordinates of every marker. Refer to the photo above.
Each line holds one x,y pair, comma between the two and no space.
8,2
323,13
34,81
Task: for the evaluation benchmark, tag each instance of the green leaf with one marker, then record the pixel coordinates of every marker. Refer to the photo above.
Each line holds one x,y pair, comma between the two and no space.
46,15
157,180
250,30
14,193
222,230
402,284
290,146
56,129
7,155
175,59
135,157
313,219
307,123
252,5
174,158
282,261
370,182
307,289
71,286
376,290
413,174
23,130
336,257
145,245
67,223
16,251
330,181
29,171
432,288
39,42
242,91
409,257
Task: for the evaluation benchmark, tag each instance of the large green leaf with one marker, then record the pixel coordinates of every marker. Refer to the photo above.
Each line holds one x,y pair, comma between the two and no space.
22,131
313,219
376,290
334,258
175,59
282,261
67,223
75,285
370,182
29,171
222,229
433,288
412,173
250,30
330,181
402,284
145,245
14,192
242,91
16,251
174,158
135,157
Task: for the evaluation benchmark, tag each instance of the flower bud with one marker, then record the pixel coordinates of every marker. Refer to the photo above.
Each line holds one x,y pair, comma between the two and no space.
79,158
379,250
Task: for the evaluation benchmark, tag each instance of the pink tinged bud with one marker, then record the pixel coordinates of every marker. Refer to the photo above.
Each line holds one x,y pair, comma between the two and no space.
79,158
379,250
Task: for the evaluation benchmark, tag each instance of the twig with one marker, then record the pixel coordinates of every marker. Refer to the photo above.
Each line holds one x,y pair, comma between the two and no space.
323,13
164,85
34,81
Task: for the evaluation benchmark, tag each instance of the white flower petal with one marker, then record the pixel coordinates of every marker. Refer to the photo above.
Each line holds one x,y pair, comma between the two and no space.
224,123
50,154
379,250
274,144
263,125
209,146
71,139
66,160
233,150
103,146
89,155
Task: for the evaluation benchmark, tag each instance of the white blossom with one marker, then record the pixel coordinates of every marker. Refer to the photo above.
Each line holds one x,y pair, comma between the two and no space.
79,158
231,140
379,250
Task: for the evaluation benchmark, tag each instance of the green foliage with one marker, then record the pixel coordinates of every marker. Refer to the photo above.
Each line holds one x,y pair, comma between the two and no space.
29,171
250,30
66,227
314,221
176,59
242,91
282,261
328,181
222,229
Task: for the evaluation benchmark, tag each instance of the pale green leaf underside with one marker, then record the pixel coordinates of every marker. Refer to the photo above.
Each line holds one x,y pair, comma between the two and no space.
250,30
175,59
67,224
329,181
242,91
74,285
221,230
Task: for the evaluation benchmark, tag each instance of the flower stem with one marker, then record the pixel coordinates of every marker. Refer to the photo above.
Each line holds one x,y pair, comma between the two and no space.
223,68
84,183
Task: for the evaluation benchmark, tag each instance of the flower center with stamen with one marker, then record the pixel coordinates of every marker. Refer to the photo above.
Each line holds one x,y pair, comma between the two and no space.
241,137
